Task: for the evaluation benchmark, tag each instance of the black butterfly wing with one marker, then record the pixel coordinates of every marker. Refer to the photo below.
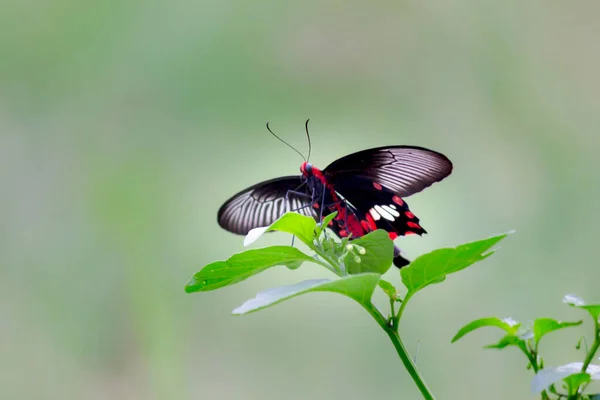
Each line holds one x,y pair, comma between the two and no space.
403,170
378,208
263,203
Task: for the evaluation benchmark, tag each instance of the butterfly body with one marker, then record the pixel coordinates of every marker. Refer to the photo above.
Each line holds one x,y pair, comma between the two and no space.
366,189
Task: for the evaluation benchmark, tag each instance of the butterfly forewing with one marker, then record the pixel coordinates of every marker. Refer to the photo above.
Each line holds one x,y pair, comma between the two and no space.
262,204
404,170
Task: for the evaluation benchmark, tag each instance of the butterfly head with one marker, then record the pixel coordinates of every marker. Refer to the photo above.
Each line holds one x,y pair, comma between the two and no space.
306,168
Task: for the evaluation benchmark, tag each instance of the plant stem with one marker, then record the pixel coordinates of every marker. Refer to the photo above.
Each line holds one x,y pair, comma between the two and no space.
331,264
531,354
396,320
408,363
401,350
590,355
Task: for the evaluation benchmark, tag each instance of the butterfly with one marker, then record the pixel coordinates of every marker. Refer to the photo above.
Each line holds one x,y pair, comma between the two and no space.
366,188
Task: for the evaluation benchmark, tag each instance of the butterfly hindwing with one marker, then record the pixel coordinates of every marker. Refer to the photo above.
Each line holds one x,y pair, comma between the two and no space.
377,207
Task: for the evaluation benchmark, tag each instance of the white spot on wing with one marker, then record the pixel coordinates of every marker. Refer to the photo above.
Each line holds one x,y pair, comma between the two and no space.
384,213
374,214
391,211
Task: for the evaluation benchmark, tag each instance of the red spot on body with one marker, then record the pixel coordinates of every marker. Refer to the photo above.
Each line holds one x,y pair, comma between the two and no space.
316,205
331,189
303,169
317,173
409,215
377,186
398,200
413,225
393,235
371,222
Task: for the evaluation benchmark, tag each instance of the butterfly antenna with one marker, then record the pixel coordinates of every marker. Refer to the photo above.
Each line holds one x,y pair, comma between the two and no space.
284,142
308,136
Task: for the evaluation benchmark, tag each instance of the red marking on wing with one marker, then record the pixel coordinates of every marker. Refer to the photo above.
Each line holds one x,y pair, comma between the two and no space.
413,225
398,200
365,225
355,227
341,215
409,233
316,205
392,235
343,233
409,215
377,186
371,222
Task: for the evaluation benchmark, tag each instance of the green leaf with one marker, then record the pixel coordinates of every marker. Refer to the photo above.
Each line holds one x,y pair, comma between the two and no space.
326,220
576,301
576,380
379,253
297,224
388,289
508,325
542,326
433,267
243,265
547,376
507,340
357,287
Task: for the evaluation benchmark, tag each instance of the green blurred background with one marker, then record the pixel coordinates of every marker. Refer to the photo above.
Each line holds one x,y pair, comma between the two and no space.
125,124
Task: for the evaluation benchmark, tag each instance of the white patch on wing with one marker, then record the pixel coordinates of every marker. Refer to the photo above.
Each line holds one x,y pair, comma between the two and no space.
393,206
391,211
384,213
374,214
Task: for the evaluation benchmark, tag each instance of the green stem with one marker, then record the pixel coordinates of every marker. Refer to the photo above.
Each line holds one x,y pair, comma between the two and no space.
531,354
396,321
590,355
408,363
330,263
401,350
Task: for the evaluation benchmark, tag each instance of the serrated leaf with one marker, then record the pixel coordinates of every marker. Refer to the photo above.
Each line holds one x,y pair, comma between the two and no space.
543,326
243,265
547,376
433,267
507,340
388,288
357,287
508,325
378,256
297,224
576,301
